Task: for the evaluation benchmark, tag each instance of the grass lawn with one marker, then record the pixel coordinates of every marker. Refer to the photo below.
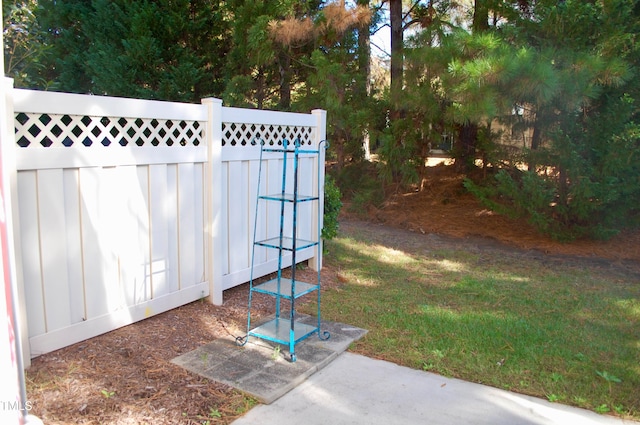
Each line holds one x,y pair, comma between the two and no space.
567,331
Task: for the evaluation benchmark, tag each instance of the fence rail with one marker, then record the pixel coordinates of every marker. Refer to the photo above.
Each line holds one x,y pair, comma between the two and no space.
128,208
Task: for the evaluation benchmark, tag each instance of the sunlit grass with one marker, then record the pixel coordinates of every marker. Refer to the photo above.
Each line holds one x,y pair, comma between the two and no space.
567,334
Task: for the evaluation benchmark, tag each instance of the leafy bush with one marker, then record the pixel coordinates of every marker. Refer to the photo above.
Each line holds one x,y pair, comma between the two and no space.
594,200
400,153
523,194
332,206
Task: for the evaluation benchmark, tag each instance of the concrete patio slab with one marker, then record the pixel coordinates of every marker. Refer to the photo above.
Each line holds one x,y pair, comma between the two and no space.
357,390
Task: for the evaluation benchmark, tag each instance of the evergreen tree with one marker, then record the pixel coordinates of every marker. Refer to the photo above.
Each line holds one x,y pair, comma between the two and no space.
397,57
336,80
574,74
66,43
410,134
270,45
149,49
363,90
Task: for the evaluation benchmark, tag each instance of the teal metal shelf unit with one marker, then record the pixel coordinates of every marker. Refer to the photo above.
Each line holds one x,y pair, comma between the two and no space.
284,328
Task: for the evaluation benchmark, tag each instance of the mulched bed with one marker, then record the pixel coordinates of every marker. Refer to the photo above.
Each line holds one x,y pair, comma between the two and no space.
126,376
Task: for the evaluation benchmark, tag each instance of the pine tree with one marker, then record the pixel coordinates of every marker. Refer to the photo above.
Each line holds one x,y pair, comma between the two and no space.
584,154
162,49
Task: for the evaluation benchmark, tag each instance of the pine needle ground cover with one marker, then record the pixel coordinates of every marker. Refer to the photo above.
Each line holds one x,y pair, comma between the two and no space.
562,328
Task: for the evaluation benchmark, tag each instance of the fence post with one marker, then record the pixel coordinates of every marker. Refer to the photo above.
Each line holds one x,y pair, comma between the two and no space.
12,221
318,215
213,136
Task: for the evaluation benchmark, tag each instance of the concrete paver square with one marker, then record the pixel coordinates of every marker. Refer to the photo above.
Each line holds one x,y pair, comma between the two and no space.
261,368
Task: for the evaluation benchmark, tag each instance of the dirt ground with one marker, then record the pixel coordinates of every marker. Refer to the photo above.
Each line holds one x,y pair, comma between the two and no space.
125,376
444,207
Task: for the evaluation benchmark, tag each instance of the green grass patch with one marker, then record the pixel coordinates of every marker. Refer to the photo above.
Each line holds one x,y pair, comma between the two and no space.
558,331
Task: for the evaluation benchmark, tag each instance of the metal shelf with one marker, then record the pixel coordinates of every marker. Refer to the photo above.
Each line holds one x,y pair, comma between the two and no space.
296,151
284,288
287,243
288,197
279,330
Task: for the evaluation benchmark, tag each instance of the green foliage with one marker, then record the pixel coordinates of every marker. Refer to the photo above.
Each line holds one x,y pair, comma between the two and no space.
24,48
333,86
107,394
580,103
569,67
158,56
358,182
589,186
332,206
168,50
399,153
520,194
239,92
252,67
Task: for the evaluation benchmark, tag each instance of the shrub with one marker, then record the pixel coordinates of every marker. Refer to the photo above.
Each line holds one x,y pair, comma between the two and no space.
359,183
332,206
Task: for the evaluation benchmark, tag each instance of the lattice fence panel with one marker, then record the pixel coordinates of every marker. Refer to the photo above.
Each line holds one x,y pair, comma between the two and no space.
54,130
240,134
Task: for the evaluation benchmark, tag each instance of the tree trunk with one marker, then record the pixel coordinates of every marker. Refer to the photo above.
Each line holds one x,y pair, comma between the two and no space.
563,187
535,144
480,16
465,152
364,65
338,148
466,147
260,88
397,57
285,81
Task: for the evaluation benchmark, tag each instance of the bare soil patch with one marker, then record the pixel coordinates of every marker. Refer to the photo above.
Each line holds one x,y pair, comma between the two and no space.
125,376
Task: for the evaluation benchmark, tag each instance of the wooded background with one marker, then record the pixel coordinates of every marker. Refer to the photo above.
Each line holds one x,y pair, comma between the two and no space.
540,97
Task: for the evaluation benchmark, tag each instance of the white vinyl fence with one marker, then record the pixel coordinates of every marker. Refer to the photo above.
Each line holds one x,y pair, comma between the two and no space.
127,208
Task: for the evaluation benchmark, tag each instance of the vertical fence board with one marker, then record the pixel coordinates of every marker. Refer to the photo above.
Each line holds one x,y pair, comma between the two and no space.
272,216
30,242
101,262
201,223
257,225
74,247
198,223
140,201
238,210
288,215
172,211
133,231
186,217
53,249
115,232
159,205
224,218
306,187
